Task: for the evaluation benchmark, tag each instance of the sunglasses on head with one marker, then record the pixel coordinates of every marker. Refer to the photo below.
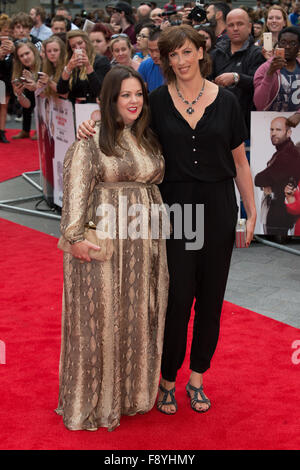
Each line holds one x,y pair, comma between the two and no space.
122,35
23,40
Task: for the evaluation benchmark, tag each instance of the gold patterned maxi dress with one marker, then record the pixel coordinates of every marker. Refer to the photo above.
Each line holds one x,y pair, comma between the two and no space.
114,311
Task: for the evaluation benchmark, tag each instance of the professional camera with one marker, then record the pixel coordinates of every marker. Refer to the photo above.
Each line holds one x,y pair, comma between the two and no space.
197,14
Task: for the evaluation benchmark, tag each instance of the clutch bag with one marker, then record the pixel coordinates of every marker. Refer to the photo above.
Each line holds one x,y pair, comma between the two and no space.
90,233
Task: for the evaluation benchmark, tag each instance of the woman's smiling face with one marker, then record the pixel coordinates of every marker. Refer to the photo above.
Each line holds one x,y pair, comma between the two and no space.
130,101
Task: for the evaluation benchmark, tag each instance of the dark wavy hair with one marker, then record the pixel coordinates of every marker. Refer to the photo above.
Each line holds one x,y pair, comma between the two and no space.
112,124
174,38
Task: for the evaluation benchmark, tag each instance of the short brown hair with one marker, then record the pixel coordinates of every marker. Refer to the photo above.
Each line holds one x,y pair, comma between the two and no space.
40,11
173,38
21,18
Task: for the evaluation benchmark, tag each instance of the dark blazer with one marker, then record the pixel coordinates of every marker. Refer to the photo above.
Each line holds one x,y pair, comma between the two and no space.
244,62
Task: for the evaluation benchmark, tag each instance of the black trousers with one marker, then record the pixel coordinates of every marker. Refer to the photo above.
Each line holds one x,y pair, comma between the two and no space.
27,116
198,274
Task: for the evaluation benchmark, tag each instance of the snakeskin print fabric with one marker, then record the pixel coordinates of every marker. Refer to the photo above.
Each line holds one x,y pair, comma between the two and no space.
113,312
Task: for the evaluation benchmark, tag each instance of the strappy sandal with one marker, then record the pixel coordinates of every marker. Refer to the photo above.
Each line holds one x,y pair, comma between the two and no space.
164,401
194,398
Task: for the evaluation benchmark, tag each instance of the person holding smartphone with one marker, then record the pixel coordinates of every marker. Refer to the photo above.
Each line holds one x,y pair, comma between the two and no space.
276,82
25,69
6,63
84,70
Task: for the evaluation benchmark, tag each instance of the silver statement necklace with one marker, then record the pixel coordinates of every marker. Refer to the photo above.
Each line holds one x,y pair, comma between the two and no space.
190,108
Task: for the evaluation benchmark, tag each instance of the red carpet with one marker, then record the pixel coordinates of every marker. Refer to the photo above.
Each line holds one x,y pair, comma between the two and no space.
18,157
253,383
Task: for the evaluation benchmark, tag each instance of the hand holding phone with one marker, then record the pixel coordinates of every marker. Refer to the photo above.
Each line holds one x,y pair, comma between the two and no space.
268,41
279,52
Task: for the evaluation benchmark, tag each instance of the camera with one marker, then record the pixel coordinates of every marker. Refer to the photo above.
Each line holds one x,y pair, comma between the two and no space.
292,182
197,14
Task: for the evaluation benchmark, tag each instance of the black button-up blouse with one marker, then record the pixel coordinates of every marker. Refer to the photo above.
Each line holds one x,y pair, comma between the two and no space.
203,153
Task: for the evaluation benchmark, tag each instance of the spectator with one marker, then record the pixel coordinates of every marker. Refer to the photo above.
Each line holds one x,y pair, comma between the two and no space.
122,14
100,36
6,63
62,11
276,82
39,30
25,68
142,43
156,16
236,59
150,68
294,16
53,65
170,6
216,15
257,31
84,70
122,51
115,24
276,20
209,35
99,15
21,24
59,24
143,12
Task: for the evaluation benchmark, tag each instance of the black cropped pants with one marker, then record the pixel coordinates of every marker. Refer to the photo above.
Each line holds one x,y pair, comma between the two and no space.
199,275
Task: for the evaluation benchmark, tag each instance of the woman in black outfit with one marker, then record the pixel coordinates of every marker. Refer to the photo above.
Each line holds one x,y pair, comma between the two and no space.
201,130
84,70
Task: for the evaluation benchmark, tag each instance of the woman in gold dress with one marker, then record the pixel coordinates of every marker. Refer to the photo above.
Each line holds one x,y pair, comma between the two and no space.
114,310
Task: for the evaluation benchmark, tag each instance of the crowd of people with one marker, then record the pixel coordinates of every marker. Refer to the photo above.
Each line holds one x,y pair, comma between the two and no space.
176,86
72,55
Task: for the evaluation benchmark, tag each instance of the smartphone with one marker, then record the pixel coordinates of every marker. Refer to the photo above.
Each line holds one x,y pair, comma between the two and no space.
268,44
279,52
16,80
22,79
78,52
40,74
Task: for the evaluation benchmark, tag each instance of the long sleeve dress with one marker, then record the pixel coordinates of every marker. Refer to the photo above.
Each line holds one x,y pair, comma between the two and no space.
114,311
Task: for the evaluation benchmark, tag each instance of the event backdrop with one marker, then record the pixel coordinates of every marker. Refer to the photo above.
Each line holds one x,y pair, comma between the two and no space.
262,150
56,127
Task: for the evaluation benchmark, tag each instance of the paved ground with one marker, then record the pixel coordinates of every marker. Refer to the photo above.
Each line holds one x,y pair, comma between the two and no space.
263,278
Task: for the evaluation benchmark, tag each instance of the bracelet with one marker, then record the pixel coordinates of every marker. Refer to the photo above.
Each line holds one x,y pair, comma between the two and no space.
67,71
19,96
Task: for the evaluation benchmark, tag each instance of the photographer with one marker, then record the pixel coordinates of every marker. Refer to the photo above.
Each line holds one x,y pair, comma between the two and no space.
84,70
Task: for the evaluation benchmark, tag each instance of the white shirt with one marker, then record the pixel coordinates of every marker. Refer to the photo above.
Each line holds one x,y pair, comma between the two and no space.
41,33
